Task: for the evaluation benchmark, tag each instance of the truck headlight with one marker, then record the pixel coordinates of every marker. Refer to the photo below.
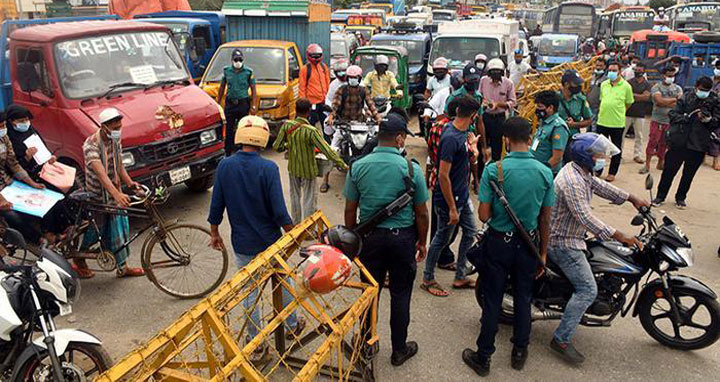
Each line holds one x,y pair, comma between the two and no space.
207,137
268,103
128,159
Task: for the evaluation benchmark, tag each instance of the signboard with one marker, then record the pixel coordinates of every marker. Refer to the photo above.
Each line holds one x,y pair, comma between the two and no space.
103,45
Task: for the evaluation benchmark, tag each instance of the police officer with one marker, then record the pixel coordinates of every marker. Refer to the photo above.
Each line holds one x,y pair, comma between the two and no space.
528,186
399,241
552,134
240,82
574,108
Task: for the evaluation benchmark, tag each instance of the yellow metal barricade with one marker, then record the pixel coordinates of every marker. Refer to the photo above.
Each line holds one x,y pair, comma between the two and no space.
221,338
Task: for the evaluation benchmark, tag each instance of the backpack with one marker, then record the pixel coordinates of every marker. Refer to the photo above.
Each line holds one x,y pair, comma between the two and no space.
309,70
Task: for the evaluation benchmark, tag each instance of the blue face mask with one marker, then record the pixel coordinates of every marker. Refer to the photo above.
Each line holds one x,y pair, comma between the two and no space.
702,94
612,76
22,126
599,164
3,133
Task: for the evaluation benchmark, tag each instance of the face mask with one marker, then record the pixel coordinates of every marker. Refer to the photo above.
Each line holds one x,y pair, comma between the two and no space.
440,76
353,81
380,69
340,74
480,65
599,165
669,80
612,76
22,126
115,135
575,89
599,72
518,60
633,66
470,86
640,74
716,72
702,94
542,114
495,76
3,132
237,64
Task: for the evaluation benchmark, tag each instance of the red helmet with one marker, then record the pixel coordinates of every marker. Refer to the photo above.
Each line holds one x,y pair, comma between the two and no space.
326,269
314,53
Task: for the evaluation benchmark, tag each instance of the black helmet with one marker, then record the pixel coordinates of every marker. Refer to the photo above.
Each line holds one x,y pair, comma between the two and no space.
344,239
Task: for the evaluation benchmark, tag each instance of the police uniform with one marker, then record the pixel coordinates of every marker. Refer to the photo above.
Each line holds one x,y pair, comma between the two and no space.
237,100
552,135
576,107
528,185
374,182
461,92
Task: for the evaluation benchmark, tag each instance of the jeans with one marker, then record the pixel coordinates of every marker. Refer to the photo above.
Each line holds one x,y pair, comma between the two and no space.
443,235
640,125
615,134
303,198
503,258
234,112
493,131
690,161
254,327
318,115
577,270
447,256
392,251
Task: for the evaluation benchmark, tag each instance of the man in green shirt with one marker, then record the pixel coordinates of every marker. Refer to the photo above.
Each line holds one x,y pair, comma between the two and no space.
616,96
239,81
528,186
552,134
303,140
399,242
574,108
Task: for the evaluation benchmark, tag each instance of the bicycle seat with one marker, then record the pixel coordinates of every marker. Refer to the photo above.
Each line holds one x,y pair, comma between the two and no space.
81,196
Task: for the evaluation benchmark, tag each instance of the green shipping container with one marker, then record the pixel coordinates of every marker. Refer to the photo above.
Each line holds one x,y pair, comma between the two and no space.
300,21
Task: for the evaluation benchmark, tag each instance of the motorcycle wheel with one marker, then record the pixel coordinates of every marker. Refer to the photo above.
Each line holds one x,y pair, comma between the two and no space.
656,318
506,318
81,362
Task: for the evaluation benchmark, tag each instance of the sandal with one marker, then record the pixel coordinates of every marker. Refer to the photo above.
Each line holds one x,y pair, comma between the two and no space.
324,188
448,267
130,272
463,284
83,273
434,289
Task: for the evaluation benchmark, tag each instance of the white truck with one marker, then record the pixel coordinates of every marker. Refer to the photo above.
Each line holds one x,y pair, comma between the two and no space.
460,41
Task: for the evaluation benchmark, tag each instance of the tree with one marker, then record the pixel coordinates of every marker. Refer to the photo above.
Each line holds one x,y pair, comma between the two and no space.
655,4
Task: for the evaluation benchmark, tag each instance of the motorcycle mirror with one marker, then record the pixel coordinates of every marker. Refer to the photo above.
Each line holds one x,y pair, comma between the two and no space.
649,182
638,220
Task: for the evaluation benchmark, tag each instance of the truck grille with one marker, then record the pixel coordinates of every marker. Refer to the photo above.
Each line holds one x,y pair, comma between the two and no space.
171,149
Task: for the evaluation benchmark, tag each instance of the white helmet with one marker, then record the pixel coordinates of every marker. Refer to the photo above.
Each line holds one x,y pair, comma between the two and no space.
440,63
480,57
382,60
109,114
495,63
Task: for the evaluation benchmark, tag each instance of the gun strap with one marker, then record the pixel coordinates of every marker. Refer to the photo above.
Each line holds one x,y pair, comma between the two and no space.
501,175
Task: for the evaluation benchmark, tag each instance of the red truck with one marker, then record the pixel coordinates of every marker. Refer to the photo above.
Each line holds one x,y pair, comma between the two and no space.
67,73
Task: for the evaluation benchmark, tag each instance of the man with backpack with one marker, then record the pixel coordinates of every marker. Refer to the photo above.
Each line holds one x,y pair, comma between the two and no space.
314,82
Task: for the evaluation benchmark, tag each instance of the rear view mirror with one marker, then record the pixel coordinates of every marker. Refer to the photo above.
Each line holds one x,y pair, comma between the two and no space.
295,73
649,182
638,220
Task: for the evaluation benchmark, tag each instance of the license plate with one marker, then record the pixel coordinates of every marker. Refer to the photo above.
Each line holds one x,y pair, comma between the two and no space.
179,175
359,128
65,309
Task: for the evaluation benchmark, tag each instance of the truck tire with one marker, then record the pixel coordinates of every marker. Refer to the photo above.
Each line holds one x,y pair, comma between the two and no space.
200,184
706,37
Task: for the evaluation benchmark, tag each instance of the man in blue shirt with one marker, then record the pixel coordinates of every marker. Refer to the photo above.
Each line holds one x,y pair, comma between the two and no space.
451,196
249,187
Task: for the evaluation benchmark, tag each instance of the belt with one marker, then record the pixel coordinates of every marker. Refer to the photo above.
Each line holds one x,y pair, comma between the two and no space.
509,236
394,231
236,101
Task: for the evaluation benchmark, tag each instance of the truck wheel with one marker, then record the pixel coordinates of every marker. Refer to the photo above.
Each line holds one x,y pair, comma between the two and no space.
200,184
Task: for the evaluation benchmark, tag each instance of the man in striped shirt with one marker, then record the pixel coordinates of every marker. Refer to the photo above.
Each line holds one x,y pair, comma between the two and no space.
303,140
572,219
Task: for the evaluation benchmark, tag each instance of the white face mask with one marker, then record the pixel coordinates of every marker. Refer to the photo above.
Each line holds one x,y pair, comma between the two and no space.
353,81
716,72
237,64
669,80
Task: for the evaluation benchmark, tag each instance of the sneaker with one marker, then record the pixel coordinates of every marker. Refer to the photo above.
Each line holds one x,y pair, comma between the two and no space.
567,352
399,357
518,357
680,204
657,202
479,364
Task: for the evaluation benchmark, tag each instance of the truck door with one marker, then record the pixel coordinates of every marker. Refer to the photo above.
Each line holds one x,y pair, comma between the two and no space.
204,45
294,83
34,90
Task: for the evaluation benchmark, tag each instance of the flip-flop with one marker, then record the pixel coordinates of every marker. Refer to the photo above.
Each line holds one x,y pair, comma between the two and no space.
130,272
324,188
83,273
434,289
465,284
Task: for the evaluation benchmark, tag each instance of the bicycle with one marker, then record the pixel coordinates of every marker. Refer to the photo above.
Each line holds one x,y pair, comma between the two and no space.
171,254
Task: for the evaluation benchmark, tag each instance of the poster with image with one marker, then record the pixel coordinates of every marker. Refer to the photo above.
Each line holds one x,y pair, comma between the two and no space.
32,201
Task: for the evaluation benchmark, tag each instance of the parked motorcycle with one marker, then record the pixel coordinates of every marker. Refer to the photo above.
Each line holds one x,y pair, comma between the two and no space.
357,139
30,297
676,310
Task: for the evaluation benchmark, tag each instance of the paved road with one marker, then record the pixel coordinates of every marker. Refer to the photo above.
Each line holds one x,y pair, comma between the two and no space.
126,312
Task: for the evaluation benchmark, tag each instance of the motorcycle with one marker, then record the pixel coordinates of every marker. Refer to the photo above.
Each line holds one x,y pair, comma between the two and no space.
357,139
382,105
667,306
30,297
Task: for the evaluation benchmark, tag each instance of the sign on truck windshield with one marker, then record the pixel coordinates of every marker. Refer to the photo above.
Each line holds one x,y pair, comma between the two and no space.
697,14
89,67
461,50
625,23
267,64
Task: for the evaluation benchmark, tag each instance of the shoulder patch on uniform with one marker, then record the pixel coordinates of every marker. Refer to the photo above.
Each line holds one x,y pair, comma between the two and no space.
557,136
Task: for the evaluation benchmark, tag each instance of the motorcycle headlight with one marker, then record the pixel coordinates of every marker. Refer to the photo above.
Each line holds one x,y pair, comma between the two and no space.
128,159
72,288
682,257
359,140
268,103
687,254
207,137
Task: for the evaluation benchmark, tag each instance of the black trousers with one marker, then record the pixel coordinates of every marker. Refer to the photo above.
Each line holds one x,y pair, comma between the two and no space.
447,256
393,251
616,136
503,258
493,131
235,110
690,161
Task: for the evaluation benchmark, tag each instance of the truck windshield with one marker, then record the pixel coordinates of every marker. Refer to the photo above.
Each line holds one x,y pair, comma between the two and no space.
443,16
268,64
180,33
461,50
557,46
367,63
89,67
698,16
415,49
628,22
338,48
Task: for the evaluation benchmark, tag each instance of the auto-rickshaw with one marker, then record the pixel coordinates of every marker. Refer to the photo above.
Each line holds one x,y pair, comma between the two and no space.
365,58
651,46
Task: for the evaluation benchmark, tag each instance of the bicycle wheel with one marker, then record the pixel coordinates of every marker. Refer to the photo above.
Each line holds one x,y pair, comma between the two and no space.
180,261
